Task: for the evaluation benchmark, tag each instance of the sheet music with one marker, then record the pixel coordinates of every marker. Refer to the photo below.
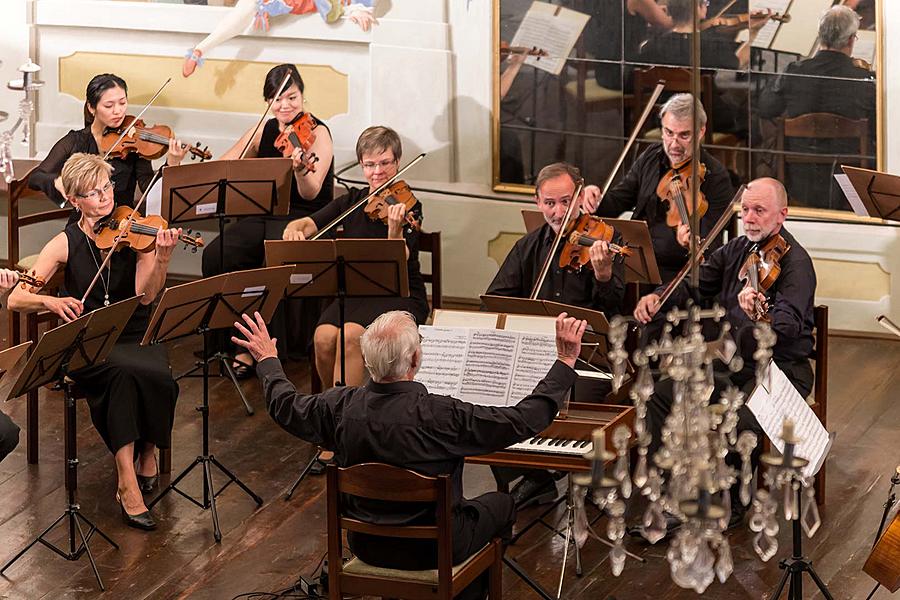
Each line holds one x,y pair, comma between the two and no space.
864,48
556,33
852,196
531,324
776,399
485,378
536,354
443,359
767,33
153,201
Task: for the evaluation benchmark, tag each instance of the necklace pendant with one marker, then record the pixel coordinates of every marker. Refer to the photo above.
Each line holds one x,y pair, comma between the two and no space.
105,299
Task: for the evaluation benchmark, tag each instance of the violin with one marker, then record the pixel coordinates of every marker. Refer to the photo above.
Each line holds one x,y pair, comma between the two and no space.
673,187
30,279
138,233
507,50
299,134
742,19
148,142
581,235
760,270
396,193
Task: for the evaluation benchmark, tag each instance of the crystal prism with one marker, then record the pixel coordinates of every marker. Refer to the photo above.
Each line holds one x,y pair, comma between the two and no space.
617,559
810,519
724,565
765,546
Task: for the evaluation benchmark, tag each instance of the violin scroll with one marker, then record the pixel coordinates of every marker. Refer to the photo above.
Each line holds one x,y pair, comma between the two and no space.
26,279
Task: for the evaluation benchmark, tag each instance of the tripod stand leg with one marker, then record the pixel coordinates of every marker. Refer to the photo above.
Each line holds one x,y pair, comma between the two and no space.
39,538
303,474
230,371
96,529
173,485
210,490
234,478
780,588
517,569
87,549
819,583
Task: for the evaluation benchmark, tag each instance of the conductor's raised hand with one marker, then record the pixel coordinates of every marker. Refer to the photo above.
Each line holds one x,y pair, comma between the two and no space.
256,337
569,331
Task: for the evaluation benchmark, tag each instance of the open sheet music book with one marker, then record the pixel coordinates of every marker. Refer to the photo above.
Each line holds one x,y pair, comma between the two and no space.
492,367
551,28
776,399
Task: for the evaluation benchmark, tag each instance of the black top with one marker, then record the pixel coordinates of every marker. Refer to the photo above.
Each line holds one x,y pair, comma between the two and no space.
520,271
127,172
637,192
358,225
618,35
118,279
401,424
674,48
791,297
299,206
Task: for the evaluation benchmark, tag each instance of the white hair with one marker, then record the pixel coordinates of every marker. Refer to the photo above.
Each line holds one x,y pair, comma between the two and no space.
389,345
682,107
837,25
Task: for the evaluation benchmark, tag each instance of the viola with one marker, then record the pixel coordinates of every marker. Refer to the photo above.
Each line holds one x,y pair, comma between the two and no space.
138,233
148,142
675,185
742,19
299,134
396,193
581,235
507,50
30,279
761,269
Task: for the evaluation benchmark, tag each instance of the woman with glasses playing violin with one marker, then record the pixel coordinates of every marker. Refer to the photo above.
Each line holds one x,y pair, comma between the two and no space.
132,394
378,151
105,108
244,238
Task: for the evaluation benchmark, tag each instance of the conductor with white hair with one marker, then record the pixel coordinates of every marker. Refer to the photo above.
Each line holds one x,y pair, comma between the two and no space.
395,420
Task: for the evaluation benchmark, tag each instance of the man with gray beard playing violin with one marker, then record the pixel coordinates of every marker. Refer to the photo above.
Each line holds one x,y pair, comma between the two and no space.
787,304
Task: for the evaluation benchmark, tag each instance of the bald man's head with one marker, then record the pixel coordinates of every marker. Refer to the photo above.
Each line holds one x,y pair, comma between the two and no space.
763,208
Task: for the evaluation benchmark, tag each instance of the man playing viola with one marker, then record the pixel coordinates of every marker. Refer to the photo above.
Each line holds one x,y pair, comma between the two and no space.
788,304
637,191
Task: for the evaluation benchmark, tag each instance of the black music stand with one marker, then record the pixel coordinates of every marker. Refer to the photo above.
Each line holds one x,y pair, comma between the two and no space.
197,308
341,269
81,343
222,189
879,192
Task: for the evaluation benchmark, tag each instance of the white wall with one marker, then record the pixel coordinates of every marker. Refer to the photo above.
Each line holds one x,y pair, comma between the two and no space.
426,71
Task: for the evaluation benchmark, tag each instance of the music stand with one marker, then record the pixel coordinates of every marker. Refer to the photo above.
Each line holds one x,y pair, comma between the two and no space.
194,309
344,268
879,192
641,266
222,189
81,343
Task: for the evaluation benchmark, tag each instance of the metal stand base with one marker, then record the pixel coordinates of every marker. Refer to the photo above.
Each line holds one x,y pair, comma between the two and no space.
795,566
225,370
303,475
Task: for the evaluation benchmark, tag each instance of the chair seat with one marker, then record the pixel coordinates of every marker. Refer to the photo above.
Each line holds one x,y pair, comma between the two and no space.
357,567
26,263
594,92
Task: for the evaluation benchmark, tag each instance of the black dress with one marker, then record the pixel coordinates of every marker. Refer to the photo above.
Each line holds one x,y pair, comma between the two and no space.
358,225
132,395
128,173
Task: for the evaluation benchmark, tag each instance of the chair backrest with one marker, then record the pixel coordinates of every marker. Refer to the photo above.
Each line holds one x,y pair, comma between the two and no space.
378,481
819,126
820,387
677,80
431,242
18,189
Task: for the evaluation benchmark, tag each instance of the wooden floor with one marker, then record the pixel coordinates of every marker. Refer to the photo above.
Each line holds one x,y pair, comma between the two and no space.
267,548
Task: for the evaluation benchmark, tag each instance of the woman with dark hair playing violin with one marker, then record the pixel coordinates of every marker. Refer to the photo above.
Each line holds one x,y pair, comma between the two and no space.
105,109
313,188
132,395
378,151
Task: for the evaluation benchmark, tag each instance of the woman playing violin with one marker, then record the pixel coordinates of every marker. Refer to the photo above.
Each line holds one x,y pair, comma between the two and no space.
132,395
105,108
244,238
378,151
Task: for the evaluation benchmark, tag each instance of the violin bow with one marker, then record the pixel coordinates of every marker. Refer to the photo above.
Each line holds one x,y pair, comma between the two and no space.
139,115
262,117
377,191
122,232
694,260
576,200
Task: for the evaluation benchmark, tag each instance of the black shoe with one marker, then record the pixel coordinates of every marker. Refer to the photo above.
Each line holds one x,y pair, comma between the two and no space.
534,490
142,521
318,466
242,371
148,483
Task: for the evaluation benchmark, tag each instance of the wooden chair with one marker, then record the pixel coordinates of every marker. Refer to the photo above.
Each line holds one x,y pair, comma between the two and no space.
392,484
431,242
820,126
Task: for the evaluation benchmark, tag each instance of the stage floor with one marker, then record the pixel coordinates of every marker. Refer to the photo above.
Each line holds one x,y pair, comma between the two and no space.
265,549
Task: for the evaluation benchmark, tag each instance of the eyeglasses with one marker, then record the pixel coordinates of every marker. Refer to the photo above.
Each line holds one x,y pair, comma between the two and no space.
96,193
370,166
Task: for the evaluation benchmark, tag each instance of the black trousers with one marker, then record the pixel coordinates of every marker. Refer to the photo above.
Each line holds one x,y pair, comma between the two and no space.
9,435
475,523
660,404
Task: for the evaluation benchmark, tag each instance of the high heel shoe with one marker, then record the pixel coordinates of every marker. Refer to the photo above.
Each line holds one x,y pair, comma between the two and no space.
143,520
148,483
